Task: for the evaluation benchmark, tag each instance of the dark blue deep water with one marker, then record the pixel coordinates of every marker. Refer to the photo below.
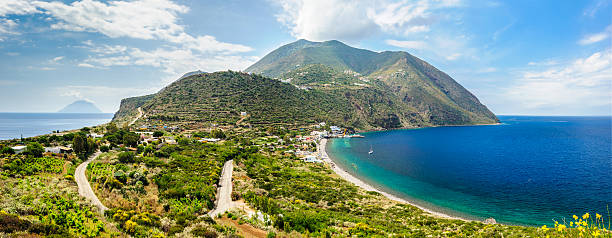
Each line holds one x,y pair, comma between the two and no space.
13,125
527,171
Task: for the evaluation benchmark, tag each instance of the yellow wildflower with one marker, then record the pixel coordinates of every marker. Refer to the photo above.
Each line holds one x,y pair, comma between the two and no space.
561,227
575,217
584,223
597,215
595,233
544,228
571,223
585,216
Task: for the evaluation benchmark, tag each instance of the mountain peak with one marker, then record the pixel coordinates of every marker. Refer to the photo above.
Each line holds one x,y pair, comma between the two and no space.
80,106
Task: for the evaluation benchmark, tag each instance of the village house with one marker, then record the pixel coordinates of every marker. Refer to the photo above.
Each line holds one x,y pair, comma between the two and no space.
59,149
335,130
19,149
95,135
312,159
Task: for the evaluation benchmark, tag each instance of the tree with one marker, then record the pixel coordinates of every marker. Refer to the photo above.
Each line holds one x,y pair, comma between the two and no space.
7,151
158,134
184,141
126,157
148,150
35,149
217,133
104,148
79,144
130,139
111,128
91,145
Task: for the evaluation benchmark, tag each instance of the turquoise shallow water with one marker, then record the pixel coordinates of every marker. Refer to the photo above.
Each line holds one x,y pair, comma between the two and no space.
527,171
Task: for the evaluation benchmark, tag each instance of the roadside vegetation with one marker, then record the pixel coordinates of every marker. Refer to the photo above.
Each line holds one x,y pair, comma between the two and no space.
38,196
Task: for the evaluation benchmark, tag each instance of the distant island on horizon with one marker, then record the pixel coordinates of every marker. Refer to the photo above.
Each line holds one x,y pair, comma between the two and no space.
80,106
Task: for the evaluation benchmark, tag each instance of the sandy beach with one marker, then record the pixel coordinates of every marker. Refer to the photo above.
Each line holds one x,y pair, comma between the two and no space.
347,176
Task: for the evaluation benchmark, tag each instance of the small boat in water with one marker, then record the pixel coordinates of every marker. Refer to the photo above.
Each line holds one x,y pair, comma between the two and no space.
371,151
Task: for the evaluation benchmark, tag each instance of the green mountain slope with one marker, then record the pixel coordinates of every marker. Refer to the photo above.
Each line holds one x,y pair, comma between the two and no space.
220,98
434,94
318,81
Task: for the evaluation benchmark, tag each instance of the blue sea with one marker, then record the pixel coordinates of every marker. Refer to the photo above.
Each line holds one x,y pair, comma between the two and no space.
15,125
526,171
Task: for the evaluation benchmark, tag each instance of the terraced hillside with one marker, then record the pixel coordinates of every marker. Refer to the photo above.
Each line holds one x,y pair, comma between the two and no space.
317,81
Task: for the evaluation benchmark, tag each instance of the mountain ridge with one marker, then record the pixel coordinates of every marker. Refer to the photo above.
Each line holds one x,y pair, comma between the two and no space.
318,81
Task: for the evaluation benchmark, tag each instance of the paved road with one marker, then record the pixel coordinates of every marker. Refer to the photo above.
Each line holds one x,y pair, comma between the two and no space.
140,112
224,192
84,187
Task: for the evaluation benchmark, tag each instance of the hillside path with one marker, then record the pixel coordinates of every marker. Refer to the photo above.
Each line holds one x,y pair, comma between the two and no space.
140,112
84,187
224,192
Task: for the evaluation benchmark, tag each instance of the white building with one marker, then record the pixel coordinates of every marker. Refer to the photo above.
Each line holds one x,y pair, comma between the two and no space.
312,159
19,149
335,129
95,135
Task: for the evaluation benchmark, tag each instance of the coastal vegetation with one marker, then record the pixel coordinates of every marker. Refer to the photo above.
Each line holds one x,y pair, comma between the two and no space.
165,189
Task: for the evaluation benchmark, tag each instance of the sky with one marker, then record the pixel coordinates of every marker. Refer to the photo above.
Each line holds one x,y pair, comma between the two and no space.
519,57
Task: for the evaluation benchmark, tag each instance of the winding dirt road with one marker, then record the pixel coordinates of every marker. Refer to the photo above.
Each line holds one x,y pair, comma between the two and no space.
224,192
84,187
140,112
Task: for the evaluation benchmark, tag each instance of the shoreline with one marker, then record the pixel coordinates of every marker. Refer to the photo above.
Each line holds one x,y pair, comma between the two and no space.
433,126
360,183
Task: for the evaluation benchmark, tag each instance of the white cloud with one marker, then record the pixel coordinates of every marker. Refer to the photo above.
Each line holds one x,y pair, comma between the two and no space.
155,20
352,20
7,27
17,7
56,59
86,65
594,7
581,86
326,19
488,70
543,63
594,38
407,44
453,56
139,19
173,61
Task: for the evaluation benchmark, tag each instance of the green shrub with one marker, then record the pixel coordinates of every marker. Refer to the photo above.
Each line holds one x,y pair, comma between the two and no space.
7,151
126,157
35,149
104,148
